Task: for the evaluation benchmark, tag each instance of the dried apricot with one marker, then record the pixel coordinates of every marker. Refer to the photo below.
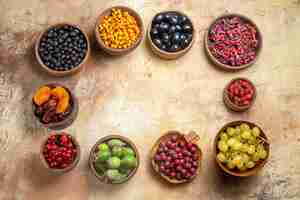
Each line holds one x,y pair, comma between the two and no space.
63,99
42,95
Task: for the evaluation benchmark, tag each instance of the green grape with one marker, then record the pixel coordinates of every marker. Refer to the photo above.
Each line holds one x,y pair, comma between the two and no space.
224,136
231,142
250,164
245,158
230,131
114,175
245,148
246,135
128,151
222,146
230,164
244,127
115,142
255,131
103,147
262,154
103,156
114,162
252,140
128,162
251,150
240,166
243,168
237,160
221,157
117,151
255,157
237,130
237,146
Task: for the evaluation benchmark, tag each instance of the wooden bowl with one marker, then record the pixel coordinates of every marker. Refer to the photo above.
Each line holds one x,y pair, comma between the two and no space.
235,172
69,119
64,170
170,55
190,137
55,72
94,150
229,104
114,51
229,67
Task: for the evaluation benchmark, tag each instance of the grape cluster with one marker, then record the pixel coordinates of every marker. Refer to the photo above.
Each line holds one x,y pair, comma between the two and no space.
241,147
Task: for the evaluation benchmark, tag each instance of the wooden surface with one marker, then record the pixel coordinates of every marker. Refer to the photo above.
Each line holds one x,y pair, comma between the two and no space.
142,96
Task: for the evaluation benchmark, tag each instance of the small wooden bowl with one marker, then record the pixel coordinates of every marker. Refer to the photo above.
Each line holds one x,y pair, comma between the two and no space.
170,55
190,137
114,51
229,67
64,170
94,150
229,104
61,73
235,172
69,119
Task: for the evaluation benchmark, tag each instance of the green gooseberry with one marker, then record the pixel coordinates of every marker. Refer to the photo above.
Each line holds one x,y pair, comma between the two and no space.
103,147
129,162
100,168
113,162
103,156
125,171
115,142
117,151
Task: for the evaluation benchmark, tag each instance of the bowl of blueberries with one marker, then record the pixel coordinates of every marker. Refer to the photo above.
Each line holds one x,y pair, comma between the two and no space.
171,34
62,49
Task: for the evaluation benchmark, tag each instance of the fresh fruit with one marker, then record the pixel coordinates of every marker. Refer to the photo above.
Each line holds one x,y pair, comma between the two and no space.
240,147
59,150
171,31
42,95
115,159
177,159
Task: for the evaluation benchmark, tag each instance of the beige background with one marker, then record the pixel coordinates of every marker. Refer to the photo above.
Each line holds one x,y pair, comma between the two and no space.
142,96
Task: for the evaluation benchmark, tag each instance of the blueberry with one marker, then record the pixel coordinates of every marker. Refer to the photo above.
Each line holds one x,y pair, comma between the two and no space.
185,43
187,28
159,18
154,32
168,17
183,19
174,48
173,20
157,42
163,47
176,38
182,37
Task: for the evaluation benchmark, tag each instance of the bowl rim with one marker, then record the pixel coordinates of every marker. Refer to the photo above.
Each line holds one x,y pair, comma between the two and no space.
154,148
165,54
230,104
70,118
252,171
115,51
72,165
61,73
229,67
104,139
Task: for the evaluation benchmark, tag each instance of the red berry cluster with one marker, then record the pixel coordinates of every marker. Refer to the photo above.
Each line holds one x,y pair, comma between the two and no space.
177,159
233,41
241,92
59,151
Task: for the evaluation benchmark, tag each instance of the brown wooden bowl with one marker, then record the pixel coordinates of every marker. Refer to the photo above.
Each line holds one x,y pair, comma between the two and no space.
170,55
190,137
114,51
94,150
69,119
64,170
229,67
61,73
235,172
232,106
